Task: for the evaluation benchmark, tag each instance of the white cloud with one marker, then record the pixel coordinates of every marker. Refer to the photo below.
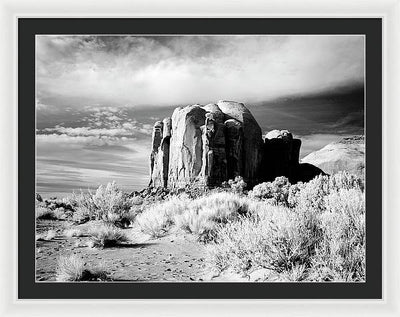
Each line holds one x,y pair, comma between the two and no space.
140,70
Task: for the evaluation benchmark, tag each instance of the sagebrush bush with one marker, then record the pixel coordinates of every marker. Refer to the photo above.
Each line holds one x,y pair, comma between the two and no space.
46,236
320,236
311,196
43,213
72,268
196,216
275,193
341,254
69,268
238,185
278,238
74,232
107,203
106,236
82,214
158,219
82,200
110,202
60,213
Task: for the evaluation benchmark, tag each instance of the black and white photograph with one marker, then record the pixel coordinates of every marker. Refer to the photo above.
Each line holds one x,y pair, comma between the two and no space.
200,158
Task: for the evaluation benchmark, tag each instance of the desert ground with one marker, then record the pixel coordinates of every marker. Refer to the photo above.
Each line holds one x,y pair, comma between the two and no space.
275,232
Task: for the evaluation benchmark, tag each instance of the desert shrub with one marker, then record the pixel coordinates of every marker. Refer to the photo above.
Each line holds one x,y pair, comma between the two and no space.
220,206
81,215
72,268
275,193
136,201
106,236
43,213
277,238
195,216
46,236
237,185
74,232
158,219
193,190
197,224
321,239
110,202
84,207
341,253
126,219
204,214
107,203
311,195
345,180
154,222
60,213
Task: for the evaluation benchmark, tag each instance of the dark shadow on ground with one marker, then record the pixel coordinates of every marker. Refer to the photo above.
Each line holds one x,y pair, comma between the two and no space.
132,245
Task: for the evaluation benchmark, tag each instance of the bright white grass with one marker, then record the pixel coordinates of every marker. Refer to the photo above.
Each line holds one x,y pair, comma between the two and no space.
299,244
193,216
157,220
72,268
69,268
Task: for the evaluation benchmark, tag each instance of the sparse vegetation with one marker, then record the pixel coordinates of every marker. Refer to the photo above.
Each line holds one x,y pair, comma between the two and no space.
322,238
237,185
158,219
106,236
311,231
274,193
74,232
43,213
46,236
72,269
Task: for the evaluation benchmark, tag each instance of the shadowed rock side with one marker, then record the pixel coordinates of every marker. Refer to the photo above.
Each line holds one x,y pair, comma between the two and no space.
251,141
346,155
211,144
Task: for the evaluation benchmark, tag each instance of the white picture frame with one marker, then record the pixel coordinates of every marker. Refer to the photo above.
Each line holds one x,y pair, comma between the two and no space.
389,11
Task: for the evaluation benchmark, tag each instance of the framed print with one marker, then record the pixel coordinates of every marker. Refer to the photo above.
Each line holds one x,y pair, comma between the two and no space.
200,158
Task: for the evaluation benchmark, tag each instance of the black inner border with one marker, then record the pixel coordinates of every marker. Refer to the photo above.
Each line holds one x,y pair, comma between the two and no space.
29,27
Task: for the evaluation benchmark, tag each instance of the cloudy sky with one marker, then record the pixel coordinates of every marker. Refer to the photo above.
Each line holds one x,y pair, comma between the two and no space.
98,96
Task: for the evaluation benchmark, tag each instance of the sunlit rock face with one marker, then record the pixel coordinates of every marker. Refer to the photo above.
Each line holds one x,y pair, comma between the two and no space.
210,144
348,154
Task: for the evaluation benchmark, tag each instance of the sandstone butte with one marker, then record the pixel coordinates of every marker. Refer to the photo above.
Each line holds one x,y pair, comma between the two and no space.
207,145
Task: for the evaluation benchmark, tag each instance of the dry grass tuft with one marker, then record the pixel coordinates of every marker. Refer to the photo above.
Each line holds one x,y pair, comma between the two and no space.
46,236
43,213
72,268
106,236
74,232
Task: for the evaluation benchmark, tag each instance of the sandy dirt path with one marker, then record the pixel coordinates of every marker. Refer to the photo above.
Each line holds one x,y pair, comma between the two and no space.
175,258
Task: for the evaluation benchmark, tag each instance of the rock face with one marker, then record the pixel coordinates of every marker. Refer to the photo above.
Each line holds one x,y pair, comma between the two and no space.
186,147
249,134
346,155
210,144
281,155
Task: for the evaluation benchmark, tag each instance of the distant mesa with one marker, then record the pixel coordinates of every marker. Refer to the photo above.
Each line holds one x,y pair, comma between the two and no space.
214,143
346,155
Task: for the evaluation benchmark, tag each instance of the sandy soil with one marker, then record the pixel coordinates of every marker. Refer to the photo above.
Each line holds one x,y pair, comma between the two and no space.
175,258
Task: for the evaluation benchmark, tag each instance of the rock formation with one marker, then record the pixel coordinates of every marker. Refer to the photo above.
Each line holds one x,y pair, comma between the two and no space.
280,155
210,144
347,154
